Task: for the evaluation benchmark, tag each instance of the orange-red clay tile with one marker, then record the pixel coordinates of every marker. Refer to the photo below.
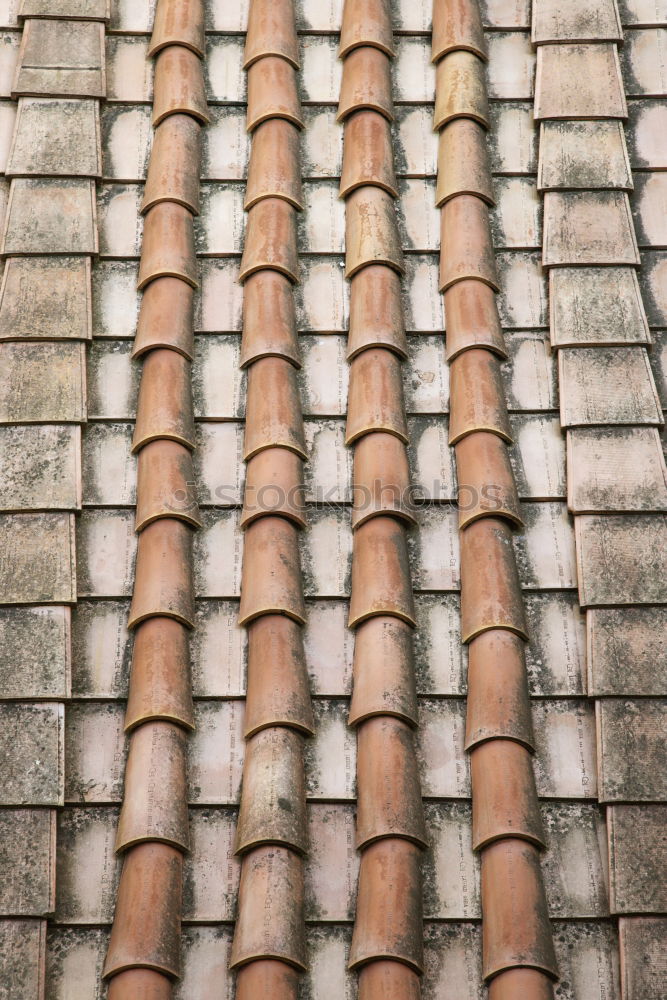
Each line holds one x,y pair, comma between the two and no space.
515,922
521,984
460,89
155,796
504,798
388,792
466,247
273,803
457,25
375,395
270,239
165,484
490,591
164,407
471,319
267,977
178,22
389,919
486,486
381,572
272,92
274,485
273,408
477,398
175,164
269,323
271,32
366,22
366,83
277,689
271,582
160,679
179,85
270,912
381,479
140,984
165,318
147,921
463,162
388,980
274,170
163,573
376,311
384,679
371,230
498,703
367,153
168,248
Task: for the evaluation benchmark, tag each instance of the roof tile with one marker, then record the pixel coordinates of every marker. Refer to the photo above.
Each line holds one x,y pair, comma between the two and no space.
384,683
463,162
588,227
457,27
367,156
32,753
496,659
31,288
160,686
375,400
38,147
41,466
366,83
607,385
460,89
616,469
579,81
273,171
371,231
596,306
574,21
637,858
174,167
366,24
27,856
164,409
630,732
271,32
271,586
165,318
178,23
163,573
270,240
277,687
168,245
380,572
619,636
61,58
179,85
472,410
642,956
46,216
466,246
490,593
272,92
589,155
36,652
38,565
504,799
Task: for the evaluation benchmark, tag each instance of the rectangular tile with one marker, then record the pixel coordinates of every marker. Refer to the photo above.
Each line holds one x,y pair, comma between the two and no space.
596,306
622,559
76,953
328,975
211,872
115,298
440,657
451,871
42,383
643,962
120,220
35,658
87,868
648,209
322,297
329,646
523,300
433,476
113,381
323,378
575,863
505,13
56,137
50,216
576,21
414,73
443,763
218,384
330,757
516,218
579,81
126,141
653,285
511,65
46,297
326,554
642,12
530,374
109,468
422,300
105,547
219,229
218,651
631,749
588,155
646,132
218,463
587,958
512,138
225,145
31,752
41,466
23,957
11,41
328,471
418,217
61,58
215,754
321,226
626,651
206,953
607,385
453,961
426,376
588,227
644,63
332,866
615,469
416,144
545,550
95,751
129,71
38,564
27,862
223,70
538,456
637,858
556,650
434,550
101,649
74,10
564,759
220,532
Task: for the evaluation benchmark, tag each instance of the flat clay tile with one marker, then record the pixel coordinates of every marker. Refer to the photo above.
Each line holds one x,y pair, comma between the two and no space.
618,636
51,216
471,319
579,81
589,155
270,239
271,581
74,10
621,559
615,469
274,485
460,89
272,92
367,153
588,227
46,297
178,22
375,401
271,32
38,564
277,687
61,58
381,573
168,245
174,167
574,21
366,23
165,484
463,162
477,396
274,168
269,322
32,751
384,682
637,858
270,912
27,855
376,311
490,592
641,944
595,306
498,705
504,799
466,245
163,573
273,803
486,485
273,408
607,385
366,83
41,466
164,408
381,479
37,652
38,146
23,955
457,26
371,231
179,85
160,680
166,318
630,731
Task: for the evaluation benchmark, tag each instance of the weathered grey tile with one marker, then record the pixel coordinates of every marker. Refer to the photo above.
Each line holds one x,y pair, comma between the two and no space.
326,554
50,216
440,657
422,301
41,467
632,758
56,137
218,384
87,868
588,227
27,862
31,753
431,458
321,143
322,223
530,373
105,549
74,10
583,155
43,383
443,763
615,469
113,380
622,559
579,81
596,306
11,41
413,71
545,550
36,657
322,297
522,302
658,361
328,948
7,119
653,282
38,563
644,13
323,378
607,385
556,651
215,754
219,229
627,654
220,532
330,757
129,70
538,456
434,550
426,376
126,142
416,144
223,69
115,298
46,297
505,13
206,954
120,219
575,863
564,759
637,858
95,751
332,866
516,219
211,873
648,209
217,628
76,954
61,58
226,145
512,138
418,218
453,961
644,63
642,945
23,956
511,67
137,16
109,468
587,957
101,649
646,132
328,471
451,870
218,463
575,21
329,647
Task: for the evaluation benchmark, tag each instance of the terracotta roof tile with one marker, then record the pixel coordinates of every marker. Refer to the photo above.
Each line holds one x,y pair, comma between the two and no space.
273,411
269,323
384,682
278,590
163,573
164,408
179,85
463,162
470,253
366,83
457,26
277,688
273,171
375,399
496,661
513,982
460,89
380,572
168,245
371,232
367,157
388,980
490,591
270,238
589,86
271,32
140,982
503,794
178,22
164,484
274,485
272,92
273,803
486,481
381,479
572,21
160,674
264,977
165,318
366,24
471,409
61,58
376,315
471,319
174,168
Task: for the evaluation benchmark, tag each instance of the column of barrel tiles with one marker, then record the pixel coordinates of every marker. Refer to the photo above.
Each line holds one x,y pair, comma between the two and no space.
144,948
611,415
269,947
518,953
387,943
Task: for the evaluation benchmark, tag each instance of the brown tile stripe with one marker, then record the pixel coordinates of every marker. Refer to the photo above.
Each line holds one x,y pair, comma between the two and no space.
143,957
387,942
269,948
518,952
